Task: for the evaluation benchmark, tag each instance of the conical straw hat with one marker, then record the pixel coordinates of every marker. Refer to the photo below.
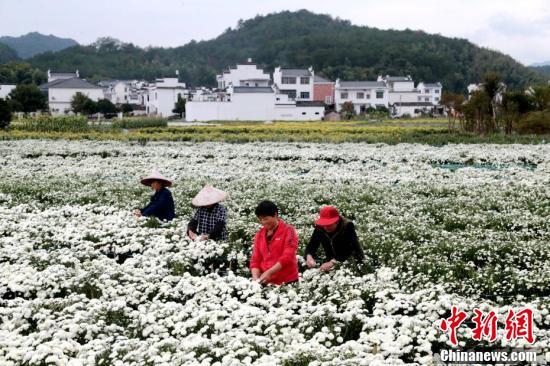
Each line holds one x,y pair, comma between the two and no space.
209,196
155,175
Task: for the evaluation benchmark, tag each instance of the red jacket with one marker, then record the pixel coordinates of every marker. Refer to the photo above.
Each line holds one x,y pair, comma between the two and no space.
281,248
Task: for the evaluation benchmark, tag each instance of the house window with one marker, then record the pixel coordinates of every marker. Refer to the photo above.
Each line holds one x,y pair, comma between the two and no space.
426,99
368,96
360,95
436,91
436,99
288,80
156,96
303,113
379,95
419,99
256,84
291,93
344,95
304,95
278,99
328,100
304,80
426,91
317,113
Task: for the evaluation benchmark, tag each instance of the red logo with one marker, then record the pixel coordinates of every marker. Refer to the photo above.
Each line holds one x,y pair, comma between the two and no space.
518,325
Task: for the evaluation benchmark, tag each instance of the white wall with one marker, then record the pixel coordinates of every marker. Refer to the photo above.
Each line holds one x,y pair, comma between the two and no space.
59,99
403,97
238,77
5,90
251,107
298,86
163,97
372,101
430,94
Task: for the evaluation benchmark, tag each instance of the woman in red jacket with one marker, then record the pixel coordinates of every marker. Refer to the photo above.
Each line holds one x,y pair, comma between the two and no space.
275,245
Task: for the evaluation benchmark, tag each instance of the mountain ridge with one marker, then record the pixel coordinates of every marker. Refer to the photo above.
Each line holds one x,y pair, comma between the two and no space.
34,43
334,47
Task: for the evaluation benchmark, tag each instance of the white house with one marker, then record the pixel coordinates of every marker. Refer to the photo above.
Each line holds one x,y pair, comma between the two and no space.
406,99
244,103
161,96
363,94
5,90
243,75
62,90
296,83
122,91
430,92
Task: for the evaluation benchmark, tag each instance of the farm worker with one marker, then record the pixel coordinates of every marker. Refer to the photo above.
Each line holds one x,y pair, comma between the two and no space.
337,236
162,203
274,252
209,220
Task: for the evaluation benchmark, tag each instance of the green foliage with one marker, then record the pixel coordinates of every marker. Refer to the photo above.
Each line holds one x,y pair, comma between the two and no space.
53,124
535,122
179,108
27,98
131,123
334,47
348,111
105,107
21,73
5,114
7,54
126,108
541,97
478,113
82,104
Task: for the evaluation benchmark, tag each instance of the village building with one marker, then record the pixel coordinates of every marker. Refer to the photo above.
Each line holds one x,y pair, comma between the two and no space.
323,90
62,88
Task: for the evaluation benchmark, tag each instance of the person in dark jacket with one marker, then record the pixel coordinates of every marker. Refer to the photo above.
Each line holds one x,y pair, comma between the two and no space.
209,220
338,238
161,204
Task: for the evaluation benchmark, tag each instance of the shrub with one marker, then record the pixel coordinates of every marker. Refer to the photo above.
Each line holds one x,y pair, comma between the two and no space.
130,123
5,114
54,124
535,122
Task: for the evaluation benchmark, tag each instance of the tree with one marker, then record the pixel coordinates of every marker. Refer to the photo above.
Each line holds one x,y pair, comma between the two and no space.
126,108
478,113
105,107
5,114
27,98
452,103
494,87
347,111
179,107
82,104
514,106
541,97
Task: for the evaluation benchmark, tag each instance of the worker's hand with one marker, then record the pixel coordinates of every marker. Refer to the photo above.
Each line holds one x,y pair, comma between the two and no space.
203,237
327,266
310,262
265,277
137,213
192,235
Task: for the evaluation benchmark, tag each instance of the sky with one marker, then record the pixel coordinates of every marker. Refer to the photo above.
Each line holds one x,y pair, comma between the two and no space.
520,28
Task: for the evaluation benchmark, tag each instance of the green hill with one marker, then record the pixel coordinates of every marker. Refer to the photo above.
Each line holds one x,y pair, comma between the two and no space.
334,47
545,70
7,54
34,43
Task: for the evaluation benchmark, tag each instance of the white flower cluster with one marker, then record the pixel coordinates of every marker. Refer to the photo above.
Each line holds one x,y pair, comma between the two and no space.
474,236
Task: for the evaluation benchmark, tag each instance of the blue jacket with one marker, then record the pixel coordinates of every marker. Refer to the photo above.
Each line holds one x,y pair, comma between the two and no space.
161,205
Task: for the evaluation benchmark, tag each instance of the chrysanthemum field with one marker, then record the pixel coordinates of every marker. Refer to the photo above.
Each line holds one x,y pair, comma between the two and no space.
462,225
